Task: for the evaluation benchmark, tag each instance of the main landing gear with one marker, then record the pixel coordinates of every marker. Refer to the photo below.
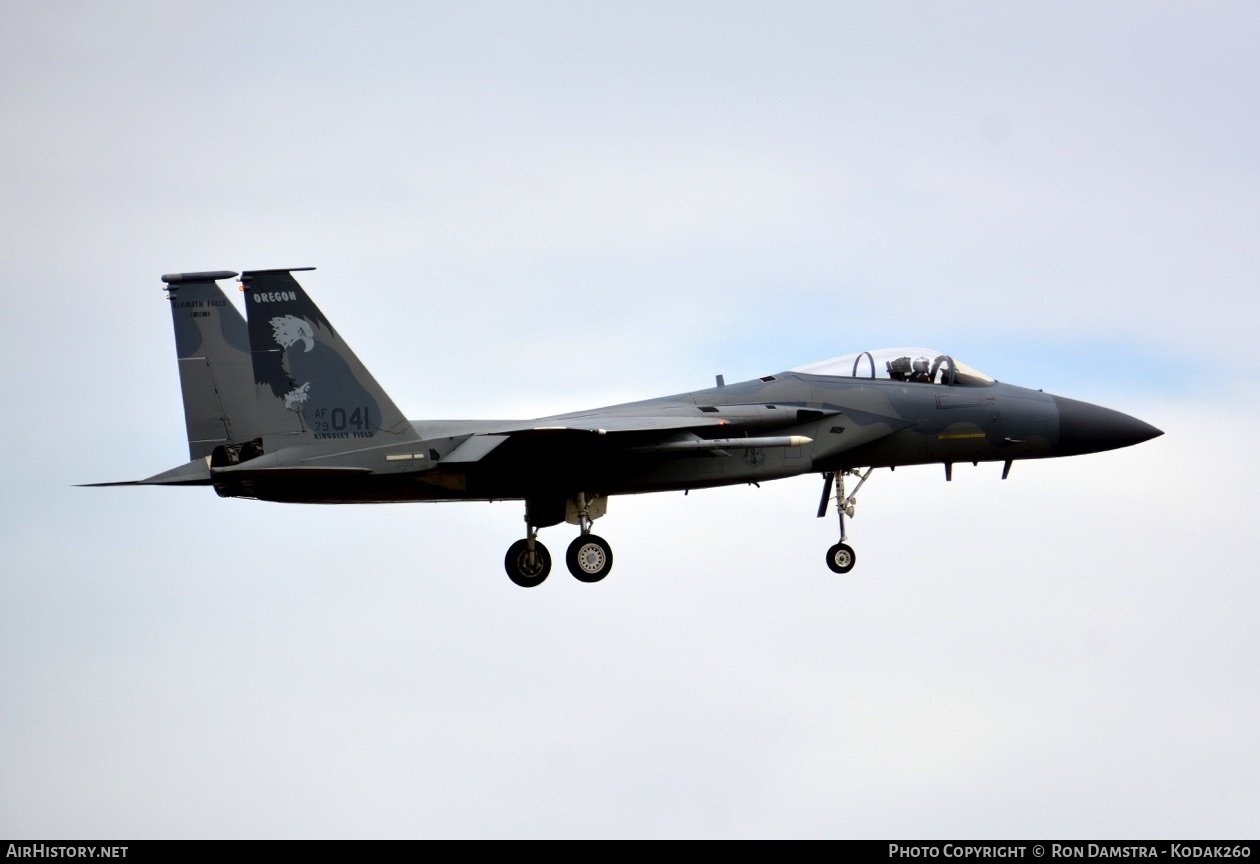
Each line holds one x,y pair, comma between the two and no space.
841,557
589,557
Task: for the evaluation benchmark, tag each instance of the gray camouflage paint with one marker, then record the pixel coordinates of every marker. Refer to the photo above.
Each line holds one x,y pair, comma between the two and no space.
281,409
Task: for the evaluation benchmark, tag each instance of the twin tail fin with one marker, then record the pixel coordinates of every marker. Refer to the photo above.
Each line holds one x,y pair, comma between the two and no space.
278,377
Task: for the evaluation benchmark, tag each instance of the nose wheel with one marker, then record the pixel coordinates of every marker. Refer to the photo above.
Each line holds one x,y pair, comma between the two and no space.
840,558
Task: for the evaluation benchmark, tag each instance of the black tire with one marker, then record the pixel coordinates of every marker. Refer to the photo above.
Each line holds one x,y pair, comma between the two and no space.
841,558
522,571
589,558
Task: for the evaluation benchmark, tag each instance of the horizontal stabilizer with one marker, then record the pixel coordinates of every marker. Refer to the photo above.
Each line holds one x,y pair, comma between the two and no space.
247,469
289,463
194,473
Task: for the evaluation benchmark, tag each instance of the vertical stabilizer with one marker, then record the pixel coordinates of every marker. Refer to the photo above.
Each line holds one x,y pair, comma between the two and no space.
310,386
215,368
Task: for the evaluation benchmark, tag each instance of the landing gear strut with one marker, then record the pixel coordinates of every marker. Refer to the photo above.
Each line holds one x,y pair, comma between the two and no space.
841,557
589,557
527,561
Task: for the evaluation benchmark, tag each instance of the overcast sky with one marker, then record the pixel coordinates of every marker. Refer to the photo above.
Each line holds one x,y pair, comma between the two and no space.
519,209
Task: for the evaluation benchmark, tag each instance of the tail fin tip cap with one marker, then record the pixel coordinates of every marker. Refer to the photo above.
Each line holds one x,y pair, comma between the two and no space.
201,276
249,273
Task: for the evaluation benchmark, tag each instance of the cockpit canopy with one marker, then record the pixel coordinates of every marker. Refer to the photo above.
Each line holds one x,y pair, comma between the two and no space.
921,365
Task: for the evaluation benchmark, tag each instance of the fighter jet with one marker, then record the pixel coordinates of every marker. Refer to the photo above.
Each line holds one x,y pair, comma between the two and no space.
278,408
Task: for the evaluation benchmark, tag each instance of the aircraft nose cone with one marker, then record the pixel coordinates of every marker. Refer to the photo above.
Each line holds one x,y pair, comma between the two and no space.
1086,428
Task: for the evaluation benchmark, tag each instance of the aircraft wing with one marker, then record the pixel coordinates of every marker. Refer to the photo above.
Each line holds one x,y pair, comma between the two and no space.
605,423
629,426
838,430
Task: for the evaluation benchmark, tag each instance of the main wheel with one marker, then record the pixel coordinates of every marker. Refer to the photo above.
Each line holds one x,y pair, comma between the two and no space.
589,558
526,570
840,558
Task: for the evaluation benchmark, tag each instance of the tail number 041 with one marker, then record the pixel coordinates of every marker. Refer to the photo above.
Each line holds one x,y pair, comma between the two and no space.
339,420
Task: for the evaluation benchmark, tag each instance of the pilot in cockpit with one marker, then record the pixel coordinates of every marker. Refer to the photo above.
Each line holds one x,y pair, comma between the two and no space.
904,369
921,373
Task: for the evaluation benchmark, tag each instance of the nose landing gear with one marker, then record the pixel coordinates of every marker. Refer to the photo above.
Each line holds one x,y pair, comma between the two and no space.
841,557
